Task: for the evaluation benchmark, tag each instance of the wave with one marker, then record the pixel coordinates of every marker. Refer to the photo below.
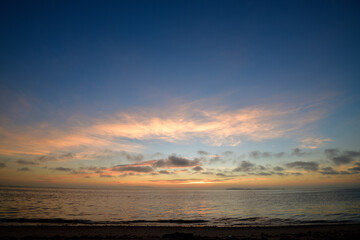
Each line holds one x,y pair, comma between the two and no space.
81,221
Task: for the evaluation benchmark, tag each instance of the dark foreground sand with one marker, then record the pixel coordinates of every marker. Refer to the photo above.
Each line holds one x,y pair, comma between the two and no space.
328,232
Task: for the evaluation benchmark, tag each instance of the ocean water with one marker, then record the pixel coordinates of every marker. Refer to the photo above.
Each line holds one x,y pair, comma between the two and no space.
177,207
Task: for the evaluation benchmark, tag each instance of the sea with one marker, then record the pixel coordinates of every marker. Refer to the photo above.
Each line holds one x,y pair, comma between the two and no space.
160,207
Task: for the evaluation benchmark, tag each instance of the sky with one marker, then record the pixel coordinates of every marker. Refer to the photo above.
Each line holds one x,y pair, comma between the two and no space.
180,94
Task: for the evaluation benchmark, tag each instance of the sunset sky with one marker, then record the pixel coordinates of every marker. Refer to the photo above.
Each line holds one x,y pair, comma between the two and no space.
180,94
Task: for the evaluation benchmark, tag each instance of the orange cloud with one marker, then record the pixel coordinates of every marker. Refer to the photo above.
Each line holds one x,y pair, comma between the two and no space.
212,125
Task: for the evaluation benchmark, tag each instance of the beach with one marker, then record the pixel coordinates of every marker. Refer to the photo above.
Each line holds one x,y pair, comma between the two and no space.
338,231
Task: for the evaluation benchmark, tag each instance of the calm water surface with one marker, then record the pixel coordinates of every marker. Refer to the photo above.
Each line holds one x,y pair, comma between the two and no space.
174,207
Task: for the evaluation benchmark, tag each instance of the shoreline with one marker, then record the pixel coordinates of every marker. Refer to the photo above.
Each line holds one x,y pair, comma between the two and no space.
335,231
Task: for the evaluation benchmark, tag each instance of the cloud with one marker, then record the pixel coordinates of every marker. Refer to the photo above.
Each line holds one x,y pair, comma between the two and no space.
313,143
221,174
134,157
309,166
258,154
132,130
150,166
255,154
278,168
341,158
356,167
279,155
197,168
93,168
201,152
263,174
56,157
62,169
128,168
228,153
244,166
215,159
261,167
175,161
331,171
2,165
25,162
331,152
25,169
299,153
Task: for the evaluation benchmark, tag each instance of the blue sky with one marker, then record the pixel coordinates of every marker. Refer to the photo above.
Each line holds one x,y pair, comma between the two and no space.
175,78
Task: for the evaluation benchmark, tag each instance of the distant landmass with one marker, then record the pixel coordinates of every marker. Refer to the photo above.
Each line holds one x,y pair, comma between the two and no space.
255,189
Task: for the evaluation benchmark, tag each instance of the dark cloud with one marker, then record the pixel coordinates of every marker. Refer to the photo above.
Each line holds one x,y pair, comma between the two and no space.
132,168
207,173
133,157
244,166
255,154
328,171
331,152
164,172
278,168
262,168
2,165
331,171
62,169
201,152
340,158
174,161
355,168
215,159
149,166
56,157
279,155
25,162
227,153
298,152
198,168
24,169
221,175
309,166
264,174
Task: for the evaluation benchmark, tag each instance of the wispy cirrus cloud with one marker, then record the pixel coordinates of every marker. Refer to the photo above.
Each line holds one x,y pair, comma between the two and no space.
214,125
313,142
217,126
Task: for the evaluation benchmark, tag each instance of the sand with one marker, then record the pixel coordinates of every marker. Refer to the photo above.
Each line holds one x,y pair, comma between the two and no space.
341,231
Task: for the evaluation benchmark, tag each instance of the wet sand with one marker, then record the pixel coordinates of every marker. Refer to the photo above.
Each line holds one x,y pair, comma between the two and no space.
342,231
